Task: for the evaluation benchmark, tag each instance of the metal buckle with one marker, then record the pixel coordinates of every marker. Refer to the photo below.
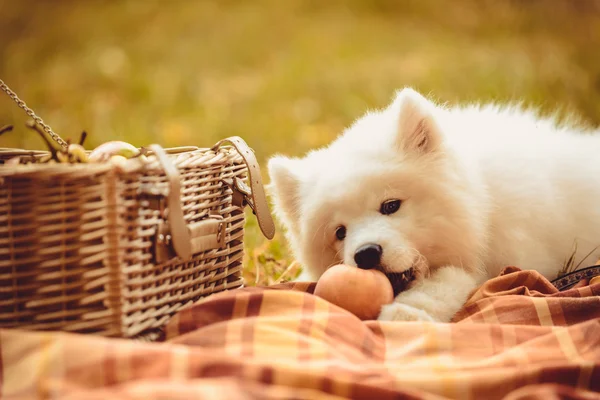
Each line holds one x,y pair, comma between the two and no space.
242,193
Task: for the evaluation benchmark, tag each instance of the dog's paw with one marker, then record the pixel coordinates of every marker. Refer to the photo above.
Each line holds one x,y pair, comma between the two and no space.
403,312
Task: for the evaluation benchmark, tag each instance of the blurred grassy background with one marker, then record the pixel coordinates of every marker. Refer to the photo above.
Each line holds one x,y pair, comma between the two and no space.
285,75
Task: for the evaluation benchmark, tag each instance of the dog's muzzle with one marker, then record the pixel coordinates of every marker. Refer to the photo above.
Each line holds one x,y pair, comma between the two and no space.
368,256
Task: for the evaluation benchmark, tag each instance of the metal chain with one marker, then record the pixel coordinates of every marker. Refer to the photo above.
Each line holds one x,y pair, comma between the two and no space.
30,112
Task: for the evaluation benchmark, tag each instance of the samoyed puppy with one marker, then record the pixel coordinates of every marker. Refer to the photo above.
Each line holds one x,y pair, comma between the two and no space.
441,199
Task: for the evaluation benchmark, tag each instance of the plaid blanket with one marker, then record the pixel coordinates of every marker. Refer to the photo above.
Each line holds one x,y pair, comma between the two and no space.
516,338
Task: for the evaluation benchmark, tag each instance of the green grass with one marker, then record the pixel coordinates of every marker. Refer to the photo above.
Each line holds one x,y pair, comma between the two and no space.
285,75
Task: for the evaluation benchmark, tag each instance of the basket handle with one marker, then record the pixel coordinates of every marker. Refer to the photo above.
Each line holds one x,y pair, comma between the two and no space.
259,205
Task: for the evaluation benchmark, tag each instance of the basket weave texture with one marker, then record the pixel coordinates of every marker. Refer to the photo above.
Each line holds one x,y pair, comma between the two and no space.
78,242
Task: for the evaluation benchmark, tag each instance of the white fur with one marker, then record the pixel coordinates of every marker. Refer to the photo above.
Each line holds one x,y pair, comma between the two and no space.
481,188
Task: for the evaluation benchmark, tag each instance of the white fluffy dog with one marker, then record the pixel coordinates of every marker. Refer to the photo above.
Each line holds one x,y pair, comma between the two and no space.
441,199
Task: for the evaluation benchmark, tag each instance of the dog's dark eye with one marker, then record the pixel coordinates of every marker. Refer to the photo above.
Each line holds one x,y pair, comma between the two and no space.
340,232
389,207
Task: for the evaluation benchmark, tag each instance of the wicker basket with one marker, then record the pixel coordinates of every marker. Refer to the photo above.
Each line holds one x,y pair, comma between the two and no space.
117,250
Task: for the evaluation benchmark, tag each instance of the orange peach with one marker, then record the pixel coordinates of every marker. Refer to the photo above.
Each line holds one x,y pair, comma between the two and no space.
362,292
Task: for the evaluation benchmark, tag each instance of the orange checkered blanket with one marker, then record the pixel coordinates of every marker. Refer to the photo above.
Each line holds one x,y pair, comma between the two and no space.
516,338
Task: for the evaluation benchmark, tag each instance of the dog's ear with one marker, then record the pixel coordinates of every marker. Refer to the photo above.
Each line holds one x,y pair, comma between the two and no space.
284,187
417,130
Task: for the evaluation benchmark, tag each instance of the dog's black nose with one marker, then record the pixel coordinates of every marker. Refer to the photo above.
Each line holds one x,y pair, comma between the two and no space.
368,256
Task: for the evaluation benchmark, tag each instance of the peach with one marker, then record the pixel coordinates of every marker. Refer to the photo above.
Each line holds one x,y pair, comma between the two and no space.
362,292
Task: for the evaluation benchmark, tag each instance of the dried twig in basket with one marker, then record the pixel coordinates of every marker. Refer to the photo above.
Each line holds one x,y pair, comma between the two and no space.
6,128
82,138
32,125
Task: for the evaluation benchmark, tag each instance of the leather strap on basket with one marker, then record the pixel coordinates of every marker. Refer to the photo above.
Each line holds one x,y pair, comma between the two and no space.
179,230
187,239
259,199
